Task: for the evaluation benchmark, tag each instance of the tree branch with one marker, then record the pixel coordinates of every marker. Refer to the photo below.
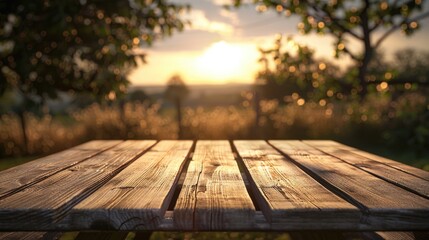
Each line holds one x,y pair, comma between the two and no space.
353,56
397,26
333,20
381,21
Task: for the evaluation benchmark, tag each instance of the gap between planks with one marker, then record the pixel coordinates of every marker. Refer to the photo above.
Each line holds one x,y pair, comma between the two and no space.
385,206
182,178
214,196
13,181
32,210
378,169
289,198
138,197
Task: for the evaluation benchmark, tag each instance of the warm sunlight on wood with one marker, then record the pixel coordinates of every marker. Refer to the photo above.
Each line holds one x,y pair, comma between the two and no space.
222,61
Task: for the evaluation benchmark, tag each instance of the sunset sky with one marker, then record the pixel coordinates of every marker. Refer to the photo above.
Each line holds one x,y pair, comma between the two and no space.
222,46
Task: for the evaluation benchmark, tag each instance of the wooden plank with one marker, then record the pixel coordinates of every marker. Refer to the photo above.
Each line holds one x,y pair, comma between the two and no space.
379,169
213,195
385,206
288,197
138,197
22,235
394,164
17,178
396,235
401,235
30,235
40,206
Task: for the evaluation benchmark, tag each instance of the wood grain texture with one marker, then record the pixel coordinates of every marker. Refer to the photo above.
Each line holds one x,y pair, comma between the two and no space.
213,195
382,170
22,235
17,178
40,206
30,235
394,164
288,197
401,235
138,197
385,206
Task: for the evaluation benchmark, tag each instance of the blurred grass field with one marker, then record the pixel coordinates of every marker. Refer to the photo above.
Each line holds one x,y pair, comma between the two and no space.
363,126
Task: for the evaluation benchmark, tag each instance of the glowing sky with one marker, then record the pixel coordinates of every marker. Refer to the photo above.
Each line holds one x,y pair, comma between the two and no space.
222,46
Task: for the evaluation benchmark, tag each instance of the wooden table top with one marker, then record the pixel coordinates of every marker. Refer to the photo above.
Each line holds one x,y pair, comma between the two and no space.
213,185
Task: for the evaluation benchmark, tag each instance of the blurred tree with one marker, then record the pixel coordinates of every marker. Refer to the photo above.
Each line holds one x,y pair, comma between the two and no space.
138,96
348,20
291,74
297,74
412,67
177,92
77,46
407,72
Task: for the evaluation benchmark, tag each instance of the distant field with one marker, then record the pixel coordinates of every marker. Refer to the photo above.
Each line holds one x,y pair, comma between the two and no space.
203,95
198,88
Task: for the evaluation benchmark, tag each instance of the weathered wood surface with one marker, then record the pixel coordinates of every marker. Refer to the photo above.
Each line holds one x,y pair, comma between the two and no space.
289,198
420,235
22,235
42,205
388,162
138,197
213,195
383,204
380,169
13,180
246,185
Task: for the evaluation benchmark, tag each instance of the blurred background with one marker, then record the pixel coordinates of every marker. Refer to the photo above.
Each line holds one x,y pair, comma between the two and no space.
351,71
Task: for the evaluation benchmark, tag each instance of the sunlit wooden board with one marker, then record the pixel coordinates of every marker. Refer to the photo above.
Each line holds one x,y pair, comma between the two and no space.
380,169
138,197
396,236
17,178
384,205
22,235
214,196
288,197
40,206
388,162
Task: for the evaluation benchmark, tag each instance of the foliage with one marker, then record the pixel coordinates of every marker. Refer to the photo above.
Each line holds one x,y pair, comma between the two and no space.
79,46
297,75
409,122
412,66
350,21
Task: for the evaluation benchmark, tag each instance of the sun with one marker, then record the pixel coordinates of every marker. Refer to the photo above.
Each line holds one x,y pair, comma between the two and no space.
221,61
